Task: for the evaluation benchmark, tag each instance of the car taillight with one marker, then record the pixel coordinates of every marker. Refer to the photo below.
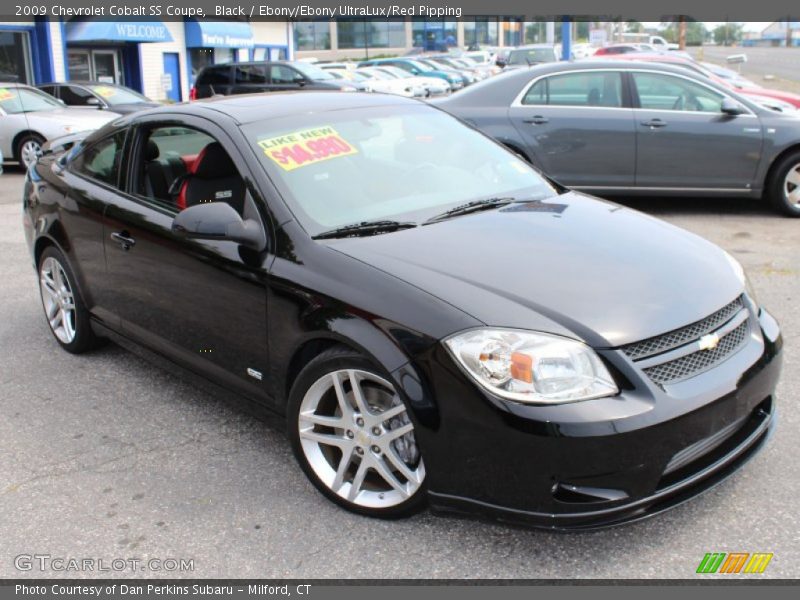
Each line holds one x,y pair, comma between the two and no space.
193,93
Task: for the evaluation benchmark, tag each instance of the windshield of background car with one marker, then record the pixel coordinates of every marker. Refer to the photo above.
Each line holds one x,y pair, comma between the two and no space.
312,72
532,55
117,95
424,67
404,163
19,100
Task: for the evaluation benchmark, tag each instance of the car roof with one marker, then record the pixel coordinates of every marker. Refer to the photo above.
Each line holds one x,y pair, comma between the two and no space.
248,108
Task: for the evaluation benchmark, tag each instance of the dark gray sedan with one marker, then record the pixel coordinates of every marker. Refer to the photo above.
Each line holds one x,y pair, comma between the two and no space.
639,128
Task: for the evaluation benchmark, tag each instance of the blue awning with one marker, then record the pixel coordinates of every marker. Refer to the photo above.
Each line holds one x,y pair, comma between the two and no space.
218,34
117,31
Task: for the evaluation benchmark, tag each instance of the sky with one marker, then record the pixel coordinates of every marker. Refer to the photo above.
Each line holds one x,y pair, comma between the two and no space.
748,26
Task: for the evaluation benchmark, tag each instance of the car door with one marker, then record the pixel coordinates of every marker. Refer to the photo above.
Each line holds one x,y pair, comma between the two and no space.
684,140
93,179
578,128
202,304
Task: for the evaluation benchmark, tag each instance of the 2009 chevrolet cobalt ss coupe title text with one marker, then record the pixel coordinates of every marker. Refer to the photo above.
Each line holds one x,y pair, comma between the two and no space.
438,322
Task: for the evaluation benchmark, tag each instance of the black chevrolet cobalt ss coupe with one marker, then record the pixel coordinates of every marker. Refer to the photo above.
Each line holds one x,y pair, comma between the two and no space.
439,323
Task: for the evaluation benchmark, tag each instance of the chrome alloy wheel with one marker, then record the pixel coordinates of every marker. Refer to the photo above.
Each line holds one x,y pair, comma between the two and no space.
30,152
791,186
58,299
357,437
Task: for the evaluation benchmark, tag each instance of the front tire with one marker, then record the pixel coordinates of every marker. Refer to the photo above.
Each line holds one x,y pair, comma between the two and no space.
352,435
784,186
29,148
63,305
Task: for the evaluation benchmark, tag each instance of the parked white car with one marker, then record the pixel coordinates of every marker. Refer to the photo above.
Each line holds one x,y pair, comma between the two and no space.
382,82
29,117
433,86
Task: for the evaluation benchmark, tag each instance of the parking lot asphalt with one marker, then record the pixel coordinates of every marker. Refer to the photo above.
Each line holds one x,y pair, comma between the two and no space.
105,456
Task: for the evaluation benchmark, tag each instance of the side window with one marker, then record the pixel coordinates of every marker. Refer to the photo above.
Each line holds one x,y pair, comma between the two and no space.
282,74
49,89
101,160
215,76
598,88
75,96
179,167
665,92
250,74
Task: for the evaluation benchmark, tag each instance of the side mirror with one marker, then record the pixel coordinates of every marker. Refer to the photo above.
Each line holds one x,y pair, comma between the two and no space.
501,62
731,107
94,102
301,81
415,71
218,221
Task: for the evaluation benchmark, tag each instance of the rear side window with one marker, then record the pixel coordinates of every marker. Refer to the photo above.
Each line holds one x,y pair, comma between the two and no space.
49,89
250,74
101,160
214,76
577,89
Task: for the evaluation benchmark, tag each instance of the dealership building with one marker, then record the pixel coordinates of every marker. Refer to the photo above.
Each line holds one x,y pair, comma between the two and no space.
161,58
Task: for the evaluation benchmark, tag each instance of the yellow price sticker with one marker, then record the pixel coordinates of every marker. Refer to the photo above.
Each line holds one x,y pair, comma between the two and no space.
5,94
105,92
307,147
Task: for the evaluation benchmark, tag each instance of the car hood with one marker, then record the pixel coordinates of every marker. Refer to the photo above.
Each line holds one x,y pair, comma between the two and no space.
570,265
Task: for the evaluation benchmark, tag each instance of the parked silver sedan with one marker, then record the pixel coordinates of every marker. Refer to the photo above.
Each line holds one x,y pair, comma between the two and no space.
627,127
29,117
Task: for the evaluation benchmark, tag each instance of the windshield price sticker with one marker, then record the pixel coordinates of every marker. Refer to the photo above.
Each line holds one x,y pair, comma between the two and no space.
105,92
5,94
303,148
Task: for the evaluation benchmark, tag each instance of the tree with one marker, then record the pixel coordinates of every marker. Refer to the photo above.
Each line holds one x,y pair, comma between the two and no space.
728,33
695,32
634,27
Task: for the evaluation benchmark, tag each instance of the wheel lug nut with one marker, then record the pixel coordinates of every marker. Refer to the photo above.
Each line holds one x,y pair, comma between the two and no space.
359,450
376,430
350,434
360,422
376,450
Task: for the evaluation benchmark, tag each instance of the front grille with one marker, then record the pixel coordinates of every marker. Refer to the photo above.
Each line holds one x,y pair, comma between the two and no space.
692,364
678,337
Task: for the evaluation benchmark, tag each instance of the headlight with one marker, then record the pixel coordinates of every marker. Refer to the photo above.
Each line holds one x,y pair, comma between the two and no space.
535,368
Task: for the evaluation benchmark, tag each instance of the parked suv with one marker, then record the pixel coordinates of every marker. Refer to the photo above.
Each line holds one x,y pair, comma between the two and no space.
264,76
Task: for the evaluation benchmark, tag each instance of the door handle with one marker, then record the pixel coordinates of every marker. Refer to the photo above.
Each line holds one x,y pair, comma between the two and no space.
123,239
654,123
537,120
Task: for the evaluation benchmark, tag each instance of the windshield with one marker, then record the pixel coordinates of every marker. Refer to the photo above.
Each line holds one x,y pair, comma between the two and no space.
404,163
424,67
117,95
313,72
531,55
19,100
375,73
395,73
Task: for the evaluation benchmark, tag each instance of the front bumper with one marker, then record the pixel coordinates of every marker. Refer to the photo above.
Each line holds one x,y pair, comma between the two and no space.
595,463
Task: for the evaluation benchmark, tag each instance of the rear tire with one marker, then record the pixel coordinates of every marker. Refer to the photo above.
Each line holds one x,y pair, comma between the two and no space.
352,435
783,188
62,301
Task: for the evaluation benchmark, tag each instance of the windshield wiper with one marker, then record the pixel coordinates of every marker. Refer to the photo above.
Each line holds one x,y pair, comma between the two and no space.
470,207
364,228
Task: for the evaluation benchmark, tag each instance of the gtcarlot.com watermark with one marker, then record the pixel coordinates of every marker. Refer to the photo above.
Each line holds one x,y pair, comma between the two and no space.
64,564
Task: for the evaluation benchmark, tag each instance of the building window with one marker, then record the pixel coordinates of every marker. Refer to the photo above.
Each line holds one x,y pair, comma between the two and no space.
481,32
512,32
15,61
312,35
434,35
371,34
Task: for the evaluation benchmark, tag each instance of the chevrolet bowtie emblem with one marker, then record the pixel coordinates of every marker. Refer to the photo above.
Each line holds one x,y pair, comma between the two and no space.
708,342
